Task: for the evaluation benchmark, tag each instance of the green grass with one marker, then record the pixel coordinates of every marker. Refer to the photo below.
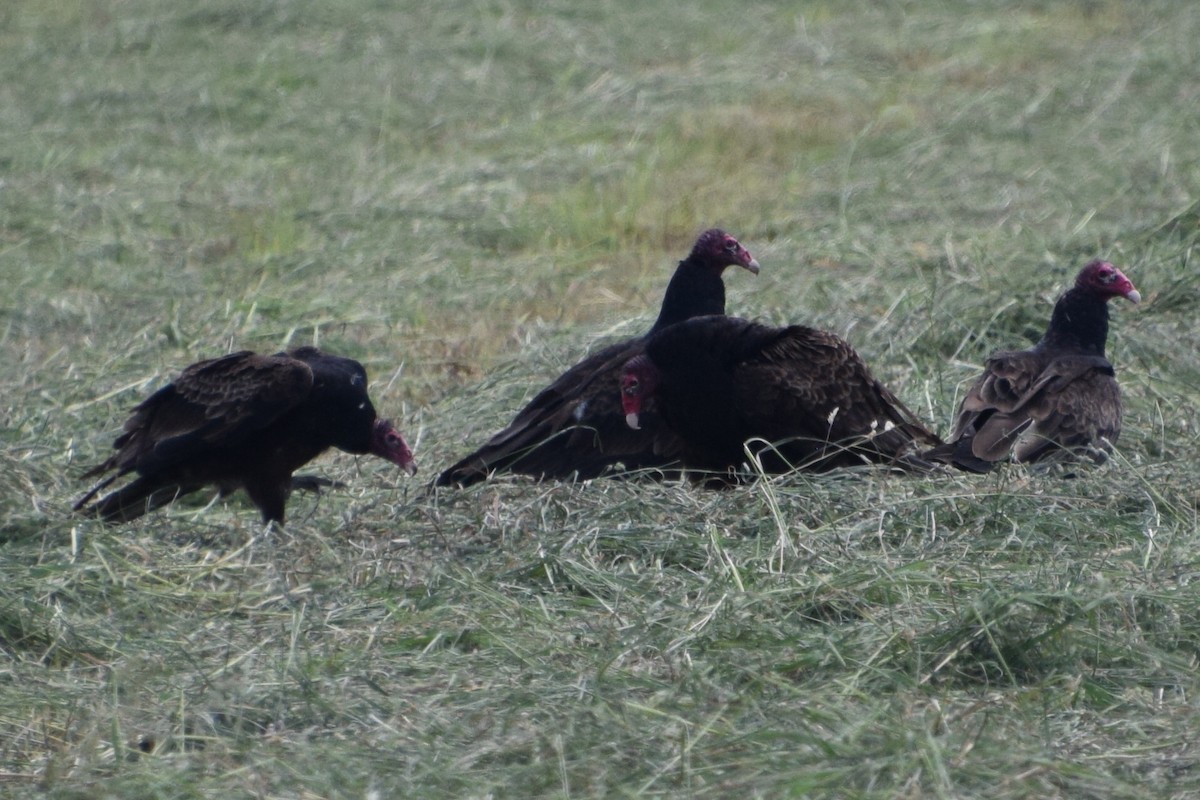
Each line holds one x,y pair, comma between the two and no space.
466,197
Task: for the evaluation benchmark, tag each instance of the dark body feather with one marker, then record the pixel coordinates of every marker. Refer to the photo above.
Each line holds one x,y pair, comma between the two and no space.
242,421
574,428
1058,399
801,398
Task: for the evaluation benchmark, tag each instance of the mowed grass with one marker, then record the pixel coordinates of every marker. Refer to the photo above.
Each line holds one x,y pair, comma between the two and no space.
466,197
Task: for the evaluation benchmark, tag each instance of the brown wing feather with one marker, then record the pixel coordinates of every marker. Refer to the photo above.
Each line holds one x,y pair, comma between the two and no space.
801,397
1004,383
813,383
245,391
559,404
1026,404
211,403
1078,409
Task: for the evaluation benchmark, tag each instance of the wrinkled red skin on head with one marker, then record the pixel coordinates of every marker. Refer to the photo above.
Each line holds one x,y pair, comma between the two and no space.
721,250
388,443
639,379
631,394
1104,279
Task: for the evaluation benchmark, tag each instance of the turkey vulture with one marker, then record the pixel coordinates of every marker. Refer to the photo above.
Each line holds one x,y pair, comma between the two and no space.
243,421
1059,398
575,426
799,398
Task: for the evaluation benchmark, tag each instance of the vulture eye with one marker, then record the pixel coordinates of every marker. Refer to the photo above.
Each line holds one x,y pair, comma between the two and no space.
632,386
731,246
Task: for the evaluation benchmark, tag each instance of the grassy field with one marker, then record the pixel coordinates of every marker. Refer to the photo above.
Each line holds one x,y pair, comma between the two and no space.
467,197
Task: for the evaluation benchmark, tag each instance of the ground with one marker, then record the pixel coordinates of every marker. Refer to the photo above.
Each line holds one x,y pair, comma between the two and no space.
467,197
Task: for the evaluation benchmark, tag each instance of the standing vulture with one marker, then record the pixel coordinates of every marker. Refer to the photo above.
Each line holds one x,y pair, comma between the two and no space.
1059,398
798,398
243,421
575,426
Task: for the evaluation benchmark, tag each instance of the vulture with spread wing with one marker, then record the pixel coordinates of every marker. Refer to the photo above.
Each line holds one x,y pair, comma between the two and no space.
1058,399
242,421
575,428
796,397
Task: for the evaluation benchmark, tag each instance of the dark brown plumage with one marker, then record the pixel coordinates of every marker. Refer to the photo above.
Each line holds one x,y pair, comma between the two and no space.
575,426
799,398
243,421
1059,398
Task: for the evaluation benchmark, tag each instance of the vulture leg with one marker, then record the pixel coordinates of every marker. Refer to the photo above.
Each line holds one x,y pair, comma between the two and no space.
270,497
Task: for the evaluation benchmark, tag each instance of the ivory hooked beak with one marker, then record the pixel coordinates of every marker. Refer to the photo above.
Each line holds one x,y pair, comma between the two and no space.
631,420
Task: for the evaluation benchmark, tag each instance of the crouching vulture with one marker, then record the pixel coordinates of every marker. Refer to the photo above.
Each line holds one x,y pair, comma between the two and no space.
575,428
1057,400
243,421
796,397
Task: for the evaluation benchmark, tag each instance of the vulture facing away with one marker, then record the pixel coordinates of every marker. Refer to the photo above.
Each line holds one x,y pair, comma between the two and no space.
1059,398
575,427
243,421
799,398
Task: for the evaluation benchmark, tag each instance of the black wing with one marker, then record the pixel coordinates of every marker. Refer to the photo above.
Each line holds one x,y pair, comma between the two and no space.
813,387
575,427
803,394
210,405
